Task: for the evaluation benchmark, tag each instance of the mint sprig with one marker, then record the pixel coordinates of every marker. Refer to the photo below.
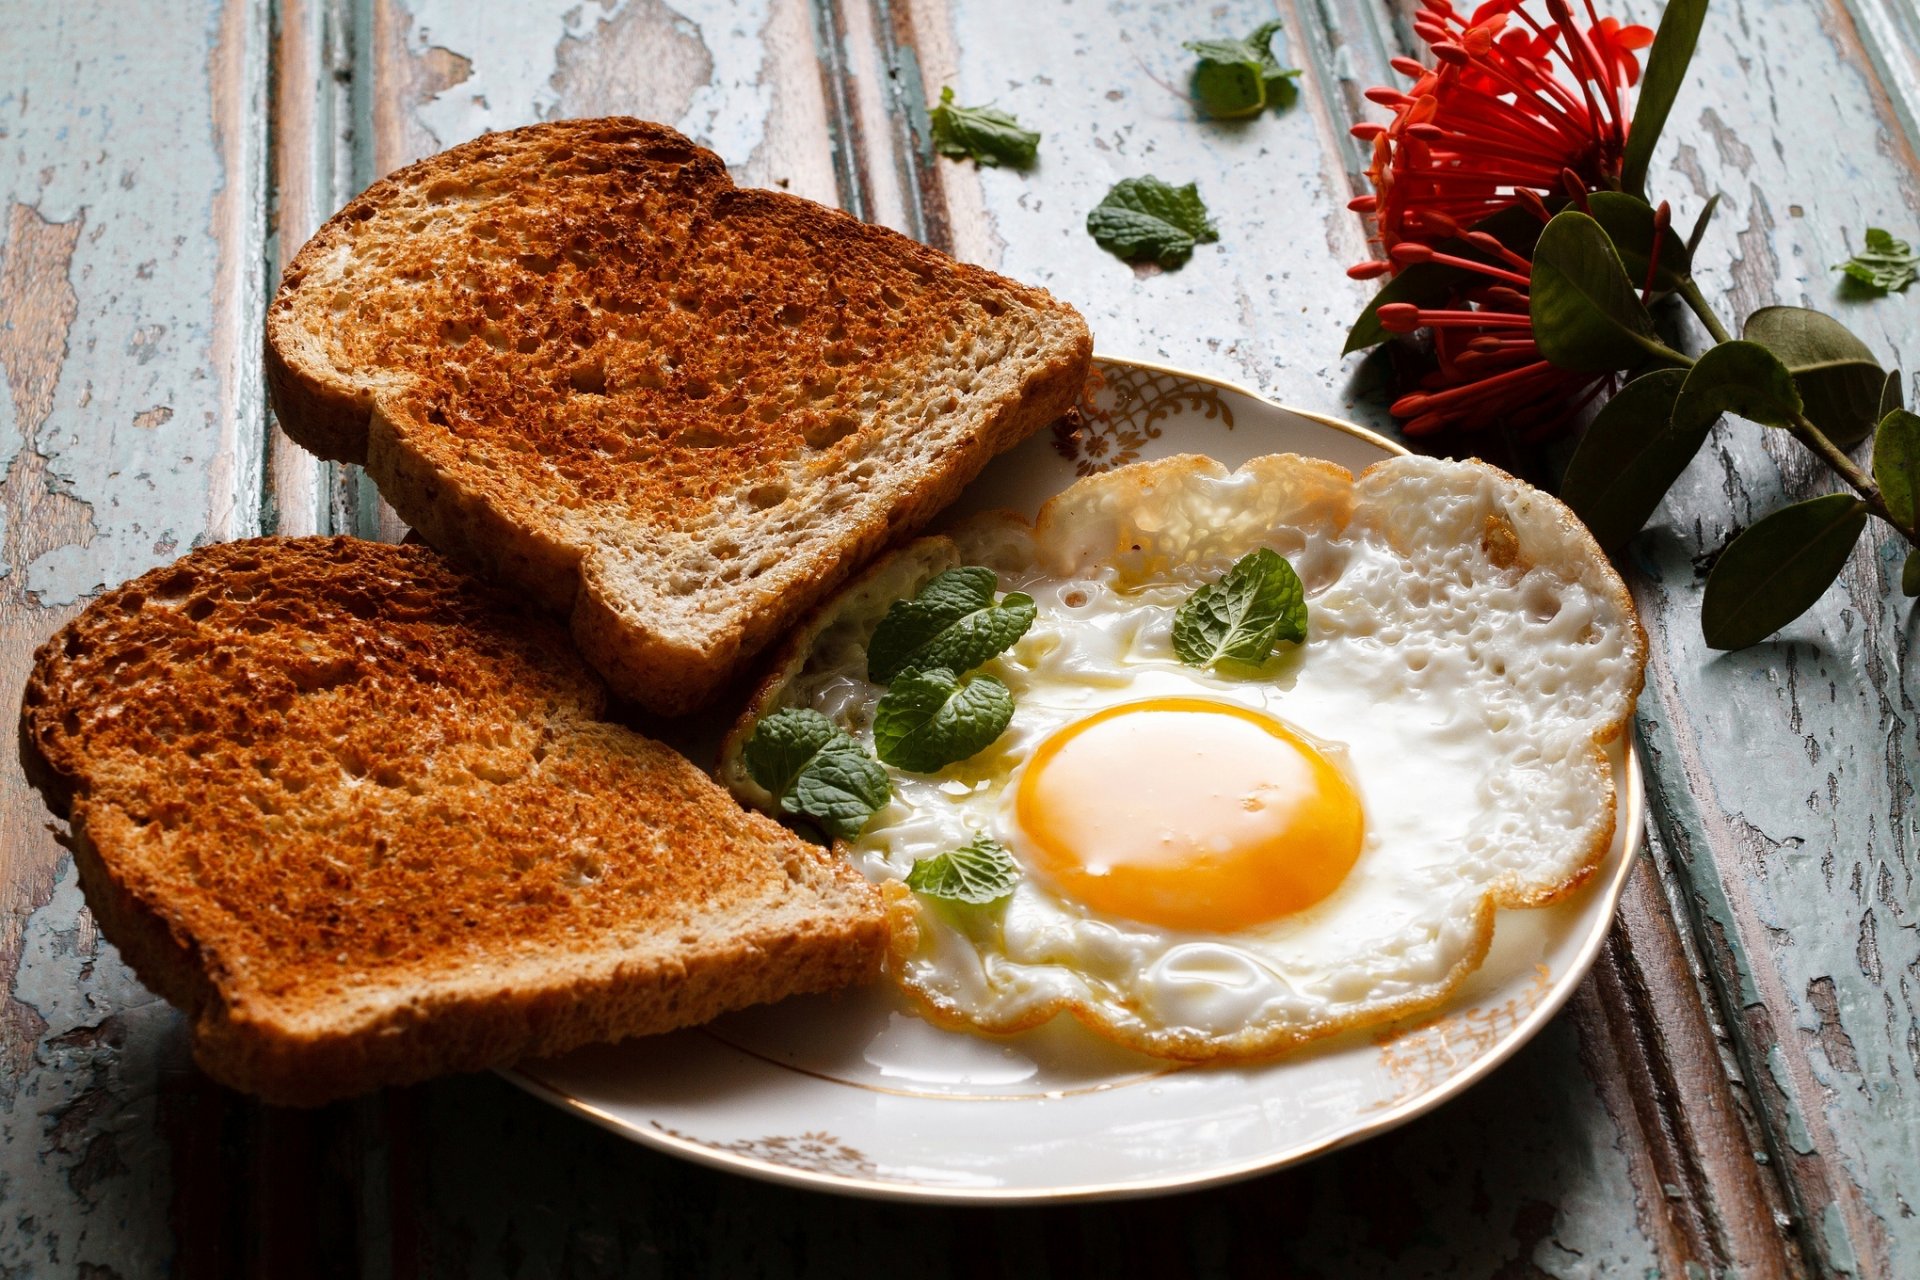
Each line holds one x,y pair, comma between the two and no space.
1886,264
1255,605
985,135
1238,79
817,770
977,873
1145,219
954,622
929,719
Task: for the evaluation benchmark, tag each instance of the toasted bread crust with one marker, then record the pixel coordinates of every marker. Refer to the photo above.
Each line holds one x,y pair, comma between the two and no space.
575,357
357,816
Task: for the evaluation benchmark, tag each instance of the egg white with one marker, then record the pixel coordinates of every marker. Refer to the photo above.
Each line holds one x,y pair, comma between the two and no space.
1469,654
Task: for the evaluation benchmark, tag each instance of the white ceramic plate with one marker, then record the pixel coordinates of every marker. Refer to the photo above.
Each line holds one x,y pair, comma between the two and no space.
855,1093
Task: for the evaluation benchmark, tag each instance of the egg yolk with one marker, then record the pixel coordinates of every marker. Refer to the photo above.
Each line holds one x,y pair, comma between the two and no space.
1187,813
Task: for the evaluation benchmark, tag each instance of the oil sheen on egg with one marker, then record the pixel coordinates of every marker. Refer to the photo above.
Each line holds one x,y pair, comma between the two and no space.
1227,863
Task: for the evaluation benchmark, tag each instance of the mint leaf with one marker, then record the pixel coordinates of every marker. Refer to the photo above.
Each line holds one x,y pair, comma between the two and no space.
983,134
976,873
1147,219
1237,79
1256,604
953,622
817,770
929,719
1885,264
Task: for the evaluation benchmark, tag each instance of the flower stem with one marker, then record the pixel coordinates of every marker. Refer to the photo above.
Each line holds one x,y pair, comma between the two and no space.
1830,453
1690,293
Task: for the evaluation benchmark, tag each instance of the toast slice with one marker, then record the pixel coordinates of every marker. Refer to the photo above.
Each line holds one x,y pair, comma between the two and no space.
355,813
576,357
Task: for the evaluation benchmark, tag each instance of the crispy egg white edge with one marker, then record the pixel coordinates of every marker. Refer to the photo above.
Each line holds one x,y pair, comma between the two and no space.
1543,524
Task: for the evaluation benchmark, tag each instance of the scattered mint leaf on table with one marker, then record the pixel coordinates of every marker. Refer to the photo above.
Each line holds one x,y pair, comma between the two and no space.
1255,605
954,622
1145,219
978,873
930,719
1238,79
1886,264
817,770
985,135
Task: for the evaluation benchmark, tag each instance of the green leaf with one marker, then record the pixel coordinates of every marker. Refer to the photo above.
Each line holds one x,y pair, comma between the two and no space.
1891,396
1238,79
1629,458
1778,568
1840,382
817,770
953,622
1146,219
1666,71
986,135
1586,313
1699,231
1256,604
1885,264
977,873
1896,464
1736,377
1910,575
929,719
1629,222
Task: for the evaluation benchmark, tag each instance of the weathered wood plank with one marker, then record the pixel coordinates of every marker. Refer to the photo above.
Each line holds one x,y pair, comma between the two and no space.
132,168
1783,773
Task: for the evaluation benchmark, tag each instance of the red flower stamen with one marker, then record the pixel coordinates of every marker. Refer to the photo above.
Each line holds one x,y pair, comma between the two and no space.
1510,110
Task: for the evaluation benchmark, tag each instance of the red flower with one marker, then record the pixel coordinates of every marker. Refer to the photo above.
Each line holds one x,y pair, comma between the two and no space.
1513,112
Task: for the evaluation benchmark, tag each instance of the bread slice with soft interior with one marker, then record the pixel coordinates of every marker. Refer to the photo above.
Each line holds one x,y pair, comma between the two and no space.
576,357
356,814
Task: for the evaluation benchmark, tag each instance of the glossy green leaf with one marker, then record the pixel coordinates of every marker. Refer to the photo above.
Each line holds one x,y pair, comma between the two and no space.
1891,396
1699,231
1629,458
1896,464
1629,222
1252,607
1666,72
1586,313
977,873
953,622
1743,378
1238,79
1778,568
1841,383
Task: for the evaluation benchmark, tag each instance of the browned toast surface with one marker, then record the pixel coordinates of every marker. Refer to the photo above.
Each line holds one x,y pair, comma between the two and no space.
356,814
576,356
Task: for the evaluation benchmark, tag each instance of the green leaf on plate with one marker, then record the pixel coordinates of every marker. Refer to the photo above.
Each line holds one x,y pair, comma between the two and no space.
1666,71
1629,223
1841,383
1586,313
977,873
1255,605
986,135
1885,264
1145,219
1896,464
1737,377
953,622
929,719
1629,458
1778,568
816,770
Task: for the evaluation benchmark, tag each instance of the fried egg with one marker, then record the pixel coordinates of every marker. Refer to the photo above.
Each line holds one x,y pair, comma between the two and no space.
1226,862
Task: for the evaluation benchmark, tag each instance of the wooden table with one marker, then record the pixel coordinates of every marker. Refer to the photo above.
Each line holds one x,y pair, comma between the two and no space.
1736,1090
